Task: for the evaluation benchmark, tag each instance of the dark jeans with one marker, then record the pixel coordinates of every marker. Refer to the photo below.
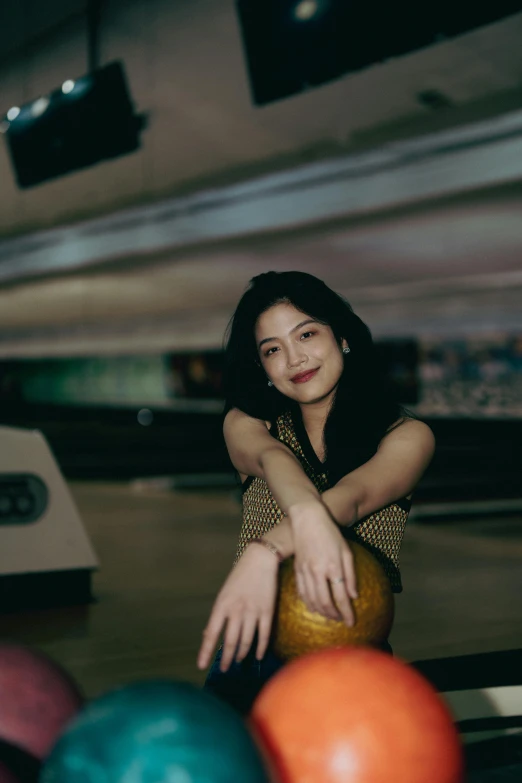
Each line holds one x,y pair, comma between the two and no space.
242,682
240,685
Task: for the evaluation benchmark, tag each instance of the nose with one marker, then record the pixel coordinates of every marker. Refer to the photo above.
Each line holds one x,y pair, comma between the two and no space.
295,356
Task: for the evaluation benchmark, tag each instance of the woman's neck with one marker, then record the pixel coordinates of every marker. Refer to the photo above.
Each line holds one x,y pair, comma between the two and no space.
314,415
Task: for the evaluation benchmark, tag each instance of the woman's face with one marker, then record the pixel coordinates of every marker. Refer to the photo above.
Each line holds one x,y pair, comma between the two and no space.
299,355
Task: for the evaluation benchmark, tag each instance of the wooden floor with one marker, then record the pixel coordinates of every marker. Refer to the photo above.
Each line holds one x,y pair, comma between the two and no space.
164,555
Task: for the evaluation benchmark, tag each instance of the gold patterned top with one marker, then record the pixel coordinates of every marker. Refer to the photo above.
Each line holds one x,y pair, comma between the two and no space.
381,532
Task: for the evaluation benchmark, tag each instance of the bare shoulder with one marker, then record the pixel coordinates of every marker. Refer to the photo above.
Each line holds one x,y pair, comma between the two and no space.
247,438
411,432
238,424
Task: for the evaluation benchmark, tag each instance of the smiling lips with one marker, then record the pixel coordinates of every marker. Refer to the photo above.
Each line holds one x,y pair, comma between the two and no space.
303,377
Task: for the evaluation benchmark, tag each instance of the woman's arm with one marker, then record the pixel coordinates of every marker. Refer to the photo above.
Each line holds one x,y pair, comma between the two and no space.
392,473
254,452
245,603
308,531
325,554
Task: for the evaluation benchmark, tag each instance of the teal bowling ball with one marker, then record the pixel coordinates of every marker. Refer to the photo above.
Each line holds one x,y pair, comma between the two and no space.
156,732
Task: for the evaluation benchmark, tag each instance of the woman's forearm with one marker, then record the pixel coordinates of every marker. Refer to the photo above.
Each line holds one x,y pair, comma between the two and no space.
343,507
282,537
294,492
286,479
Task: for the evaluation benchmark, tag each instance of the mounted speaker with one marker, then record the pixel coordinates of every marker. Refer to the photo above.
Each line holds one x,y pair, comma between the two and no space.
292,45
81,123
46,558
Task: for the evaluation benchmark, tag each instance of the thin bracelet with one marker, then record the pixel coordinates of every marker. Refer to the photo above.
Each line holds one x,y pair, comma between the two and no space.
268,545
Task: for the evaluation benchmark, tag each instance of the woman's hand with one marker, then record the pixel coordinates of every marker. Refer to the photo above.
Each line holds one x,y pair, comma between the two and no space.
245,604
324,569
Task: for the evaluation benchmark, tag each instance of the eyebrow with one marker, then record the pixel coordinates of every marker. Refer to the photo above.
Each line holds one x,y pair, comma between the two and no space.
295,329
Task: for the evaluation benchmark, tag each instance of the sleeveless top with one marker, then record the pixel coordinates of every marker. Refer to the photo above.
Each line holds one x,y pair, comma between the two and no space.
381,532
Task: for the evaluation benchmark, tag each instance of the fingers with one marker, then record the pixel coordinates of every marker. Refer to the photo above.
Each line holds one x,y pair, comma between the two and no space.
239,637
310,596
342,602
346,589
247,636
313,588
265,627
231,642
326,603
349,573
210,638
329,590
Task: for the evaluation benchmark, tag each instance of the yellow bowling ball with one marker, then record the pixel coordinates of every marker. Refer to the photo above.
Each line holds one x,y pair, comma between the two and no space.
298,631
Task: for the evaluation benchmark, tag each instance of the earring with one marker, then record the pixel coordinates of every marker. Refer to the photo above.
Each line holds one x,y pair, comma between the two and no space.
270,383
346,349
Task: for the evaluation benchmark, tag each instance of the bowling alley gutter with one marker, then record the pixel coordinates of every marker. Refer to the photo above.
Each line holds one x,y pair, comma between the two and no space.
459,161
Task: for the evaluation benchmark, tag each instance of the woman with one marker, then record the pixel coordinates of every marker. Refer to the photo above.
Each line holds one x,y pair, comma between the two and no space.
320,445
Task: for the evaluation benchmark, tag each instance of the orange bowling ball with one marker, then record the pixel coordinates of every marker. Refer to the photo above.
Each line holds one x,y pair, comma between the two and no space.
298,631
355,715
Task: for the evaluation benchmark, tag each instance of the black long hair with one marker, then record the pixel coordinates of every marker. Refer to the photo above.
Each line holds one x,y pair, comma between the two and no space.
364,406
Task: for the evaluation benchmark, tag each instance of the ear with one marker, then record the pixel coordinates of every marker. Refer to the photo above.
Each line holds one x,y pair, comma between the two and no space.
344,343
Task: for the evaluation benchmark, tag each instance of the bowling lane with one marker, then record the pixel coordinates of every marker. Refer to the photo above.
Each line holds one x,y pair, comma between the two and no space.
164,555
462,587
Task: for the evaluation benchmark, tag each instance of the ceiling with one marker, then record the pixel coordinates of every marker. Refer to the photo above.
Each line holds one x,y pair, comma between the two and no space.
186,70
23,23
449,266
451,270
